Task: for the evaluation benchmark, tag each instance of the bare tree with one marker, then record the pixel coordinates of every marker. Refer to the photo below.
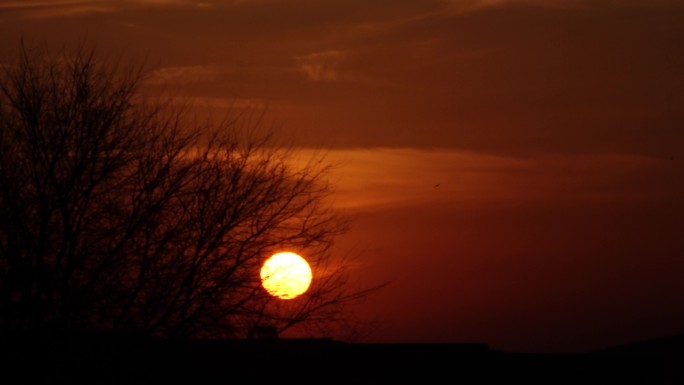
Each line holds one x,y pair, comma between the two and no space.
115,214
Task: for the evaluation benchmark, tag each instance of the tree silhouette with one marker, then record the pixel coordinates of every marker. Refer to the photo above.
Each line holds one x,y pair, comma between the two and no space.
117,214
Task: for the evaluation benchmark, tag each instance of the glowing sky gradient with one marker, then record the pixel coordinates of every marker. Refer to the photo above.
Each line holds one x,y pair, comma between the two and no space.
513,168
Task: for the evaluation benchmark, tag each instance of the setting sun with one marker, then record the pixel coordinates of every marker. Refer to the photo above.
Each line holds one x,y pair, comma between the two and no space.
286,275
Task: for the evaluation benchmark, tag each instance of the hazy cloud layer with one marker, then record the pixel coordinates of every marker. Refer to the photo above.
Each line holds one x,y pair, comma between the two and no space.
511,76
382,178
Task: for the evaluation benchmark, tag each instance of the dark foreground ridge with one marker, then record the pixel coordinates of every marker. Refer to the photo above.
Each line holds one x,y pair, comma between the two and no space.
124,359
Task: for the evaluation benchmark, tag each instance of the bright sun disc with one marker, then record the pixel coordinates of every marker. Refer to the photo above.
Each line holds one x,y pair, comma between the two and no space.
286,275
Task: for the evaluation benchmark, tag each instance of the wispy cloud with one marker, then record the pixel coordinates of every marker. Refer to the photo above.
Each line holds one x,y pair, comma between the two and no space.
39,9
376,178
162,3
322,66
225,103
467,6
38,4
186,75
56,9
474,5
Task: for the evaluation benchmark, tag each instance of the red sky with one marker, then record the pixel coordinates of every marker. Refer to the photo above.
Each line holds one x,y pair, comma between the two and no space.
513,168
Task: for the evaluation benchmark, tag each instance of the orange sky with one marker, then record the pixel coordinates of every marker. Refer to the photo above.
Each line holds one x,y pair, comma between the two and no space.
553,129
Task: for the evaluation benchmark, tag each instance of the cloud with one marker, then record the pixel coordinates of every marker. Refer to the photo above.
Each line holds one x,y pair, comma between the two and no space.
39,4
321,66
380,178
56,9
37,9
225,103
474,5
169,2
186,75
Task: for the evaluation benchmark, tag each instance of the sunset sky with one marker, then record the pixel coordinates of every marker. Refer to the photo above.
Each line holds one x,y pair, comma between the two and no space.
513,168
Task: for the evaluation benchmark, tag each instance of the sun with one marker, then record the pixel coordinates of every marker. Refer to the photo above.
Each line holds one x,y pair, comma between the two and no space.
286,275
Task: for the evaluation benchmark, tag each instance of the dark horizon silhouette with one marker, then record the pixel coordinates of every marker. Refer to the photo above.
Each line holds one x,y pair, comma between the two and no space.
129,358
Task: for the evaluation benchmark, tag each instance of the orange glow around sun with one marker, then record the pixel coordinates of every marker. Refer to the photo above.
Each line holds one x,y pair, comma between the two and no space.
286,275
